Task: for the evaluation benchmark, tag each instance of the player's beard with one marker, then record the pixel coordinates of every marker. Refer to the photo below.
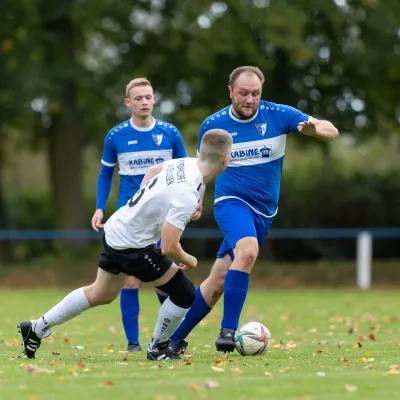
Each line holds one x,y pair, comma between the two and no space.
243,113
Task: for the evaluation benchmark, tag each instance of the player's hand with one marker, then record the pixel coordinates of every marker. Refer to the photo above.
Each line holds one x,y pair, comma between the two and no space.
197,213
307,128
97,219
183,267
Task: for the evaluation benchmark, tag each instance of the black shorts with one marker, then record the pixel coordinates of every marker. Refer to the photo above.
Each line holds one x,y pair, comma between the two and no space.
147,264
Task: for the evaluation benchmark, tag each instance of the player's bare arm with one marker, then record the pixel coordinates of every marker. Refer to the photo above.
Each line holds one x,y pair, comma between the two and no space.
151,173
321,129
199,209
170,246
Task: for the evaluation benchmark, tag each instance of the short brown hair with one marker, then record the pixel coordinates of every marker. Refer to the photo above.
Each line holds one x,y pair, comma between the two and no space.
246,69
215,144
136,82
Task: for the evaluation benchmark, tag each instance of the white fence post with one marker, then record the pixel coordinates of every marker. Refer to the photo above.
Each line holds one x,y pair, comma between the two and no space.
364,260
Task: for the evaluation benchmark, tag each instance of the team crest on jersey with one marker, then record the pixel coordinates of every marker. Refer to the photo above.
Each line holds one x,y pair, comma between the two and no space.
157,139
262,128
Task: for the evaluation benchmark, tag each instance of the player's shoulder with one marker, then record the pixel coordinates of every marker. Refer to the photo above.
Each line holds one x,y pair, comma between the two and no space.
165,127
275,109
119,129
216,118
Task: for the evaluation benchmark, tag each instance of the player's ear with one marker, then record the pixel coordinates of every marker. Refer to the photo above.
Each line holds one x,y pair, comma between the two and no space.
230,88
126,101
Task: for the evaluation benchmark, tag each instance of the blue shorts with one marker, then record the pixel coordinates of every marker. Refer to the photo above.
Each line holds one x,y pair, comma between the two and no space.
237,220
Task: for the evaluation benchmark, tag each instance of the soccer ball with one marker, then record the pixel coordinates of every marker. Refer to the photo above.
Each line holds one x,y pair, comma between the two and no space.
252,339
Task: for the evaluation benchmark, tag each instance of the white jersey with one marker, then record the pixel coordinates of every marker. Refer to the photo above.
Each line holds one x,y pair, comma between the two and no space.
171,196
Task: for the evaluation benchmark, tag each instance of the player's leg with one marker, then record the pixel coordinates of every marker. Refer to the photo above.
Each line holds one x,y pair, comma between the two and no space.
153,267
130,308
103,291
238,223
207,295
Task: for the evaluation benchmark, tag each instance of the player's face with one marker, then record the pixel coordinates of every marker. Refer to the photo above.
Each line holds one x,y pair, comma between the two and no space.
140,101
245,95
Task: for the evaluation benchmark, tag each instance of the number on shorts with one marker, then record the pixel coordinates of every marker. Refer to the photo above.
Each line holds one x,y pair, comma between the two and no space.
136,198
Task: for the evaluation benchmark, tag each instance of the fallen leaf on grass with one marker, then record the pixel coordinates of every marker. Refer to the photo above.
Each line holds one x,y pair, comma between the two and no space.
60,379
369,366
193,387
81,364
159,382
342,359
35,397
78,347
319,351
322,374
210,384
50,340
276,346
371,337
268,374
39,370
24,365
122,363
361,360
55,353
236,371
106,385
392,372
357,345
158,366
217,369
350,388
55,363
72,372
66,340
112,329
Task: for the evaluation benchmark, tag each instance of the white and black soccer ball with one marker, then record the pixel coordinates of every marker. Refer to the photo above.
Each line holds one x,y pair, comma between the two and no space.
252,339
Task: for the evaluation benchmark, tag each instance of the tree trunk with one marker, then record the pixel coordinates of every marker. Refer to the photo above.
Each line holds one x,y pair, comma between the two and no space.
66,131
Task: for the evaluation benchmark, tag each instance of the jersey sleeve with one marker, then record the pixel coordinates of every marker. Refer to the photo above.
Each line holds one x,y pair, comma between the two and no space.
292,117
204,127
109,156
179,150
182,207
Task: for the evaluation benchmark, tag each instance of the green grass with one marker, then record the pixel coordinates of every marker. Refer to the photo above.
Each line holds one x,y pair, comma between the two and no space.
315,322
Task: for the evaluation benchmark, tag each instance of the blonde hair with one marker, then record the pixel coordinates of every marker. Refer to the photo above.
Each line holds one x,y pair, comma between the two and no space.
215,144
136,82
246,69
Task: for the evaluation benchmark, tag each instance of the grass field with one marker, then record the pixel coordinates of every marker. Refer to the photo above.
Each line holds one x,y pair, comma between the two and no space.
315,354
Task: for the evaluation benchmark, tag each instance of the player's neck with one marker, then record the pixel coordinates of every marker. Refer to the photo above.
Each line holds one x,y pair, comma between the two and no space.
207,171
142,123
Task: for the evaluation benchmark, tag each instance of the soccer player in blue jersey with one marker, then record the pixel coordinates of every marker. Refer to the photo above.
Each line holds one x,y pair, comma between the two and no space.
136,144
246,195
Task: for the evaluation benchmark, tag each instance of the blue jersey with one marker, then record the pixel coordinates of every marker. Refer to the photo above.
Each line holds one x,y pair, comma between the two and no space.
254,172
135,150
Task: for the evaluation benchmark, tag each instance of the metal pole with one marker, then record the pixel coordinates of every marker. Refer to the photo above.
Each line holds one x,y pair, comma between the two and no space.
364,260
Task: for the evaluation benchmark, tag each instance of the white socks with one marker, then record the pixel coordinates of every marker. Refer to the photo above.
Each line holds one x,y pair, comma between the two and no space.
69,307
169,318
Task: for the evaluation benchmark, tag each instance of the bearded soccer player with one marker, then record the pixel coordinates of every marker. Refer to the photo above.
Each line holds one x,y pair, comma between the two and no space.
136,144
246,195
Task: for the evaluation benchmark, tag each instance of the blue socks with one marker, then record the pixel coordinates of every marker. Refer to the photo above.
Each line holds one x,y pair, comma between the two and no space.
197,312
235,291
129,302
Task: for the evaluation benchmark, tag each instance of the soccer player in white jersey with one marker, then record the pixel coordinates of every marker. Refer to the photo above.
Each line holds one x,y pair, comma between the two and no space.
169,196
135,144
246,195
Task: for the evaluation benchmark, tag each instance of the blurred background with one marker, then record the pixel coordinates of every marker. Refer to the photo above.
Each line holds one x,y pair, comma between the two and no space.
64,67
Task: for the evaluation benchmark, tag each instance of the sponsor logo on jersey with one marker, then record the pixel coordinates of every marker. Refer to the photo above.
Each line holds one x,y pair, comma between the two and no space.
133,142
262,128
262,151
157,138
140,162
233,133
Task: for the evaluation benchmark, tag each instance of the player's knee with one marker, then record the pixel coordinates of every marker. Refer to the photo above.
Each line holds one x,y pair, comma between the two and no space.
247,255
180,290
132,283
97,297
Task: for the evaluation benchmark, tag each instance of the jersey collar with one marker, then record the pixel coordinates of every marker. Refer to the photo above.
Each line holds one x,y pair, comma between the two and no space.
137,128
243,121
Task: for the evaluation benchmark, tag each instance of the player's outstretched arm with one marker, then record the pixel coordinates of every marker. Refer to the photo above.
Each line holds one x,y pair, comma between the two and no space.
151,173
321,129
170,246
